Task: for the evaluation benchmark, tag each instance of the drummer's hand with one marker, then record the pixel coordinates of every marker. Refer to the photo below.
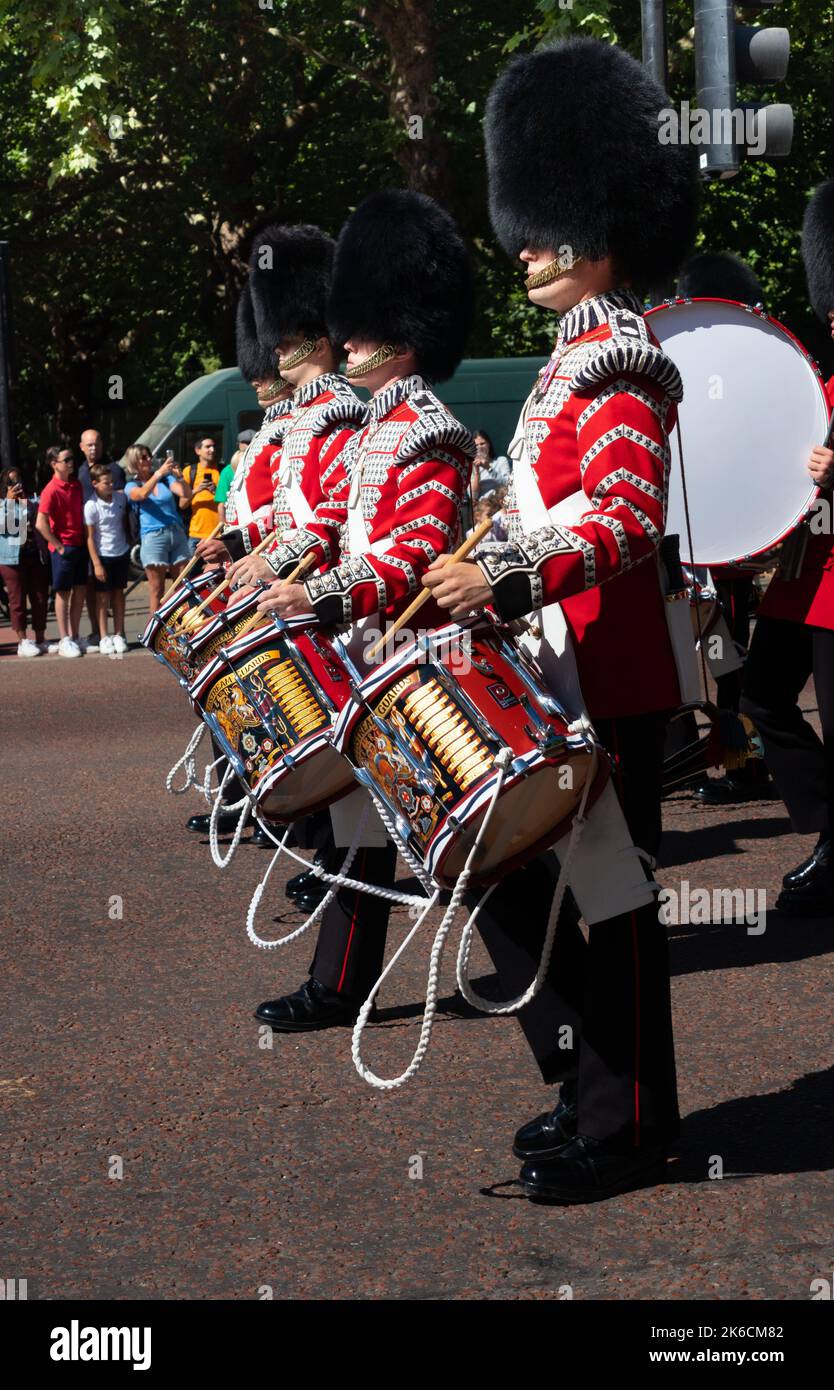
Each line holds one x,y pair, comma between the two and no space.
287,600
821,466
250,570
459,586
212,550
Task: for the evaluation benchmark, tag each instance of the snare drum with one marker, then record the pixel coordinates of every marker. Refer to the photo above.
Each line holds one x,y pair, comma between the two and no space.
186,652
423,732
163,635
270,700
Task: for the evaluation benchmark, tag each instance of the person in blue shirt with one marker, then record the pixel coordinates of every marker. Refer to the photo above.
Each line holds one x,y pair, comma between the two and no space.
161,494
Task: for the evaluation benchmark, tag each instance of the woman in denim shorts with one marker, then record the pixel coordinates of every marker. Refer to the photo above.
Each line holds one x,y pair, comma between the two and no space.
161,495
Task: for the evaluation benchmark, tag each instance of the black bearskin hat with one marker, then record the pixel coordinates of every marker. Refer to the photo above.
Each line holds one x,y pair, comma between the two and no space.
719,275
255,360
402,276
289,279
574,159
818,249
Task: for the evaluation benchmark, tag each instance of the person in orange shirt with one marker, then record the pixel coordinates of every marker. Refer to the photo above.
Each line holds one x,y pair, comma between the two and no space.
203,477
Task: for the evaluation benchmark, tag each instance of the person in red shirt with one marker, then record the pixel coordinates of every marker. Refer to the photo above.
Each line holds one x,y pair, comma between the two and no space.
595,208
61,523
794,637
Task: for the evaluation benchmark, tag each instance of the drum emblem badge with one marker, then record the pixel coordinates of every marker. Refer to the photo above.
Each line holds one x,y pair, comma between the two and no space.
502,695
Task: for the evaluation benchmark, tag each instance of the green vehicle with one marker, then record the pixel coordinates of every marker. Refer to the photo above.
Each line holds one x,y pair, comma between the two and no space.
485,392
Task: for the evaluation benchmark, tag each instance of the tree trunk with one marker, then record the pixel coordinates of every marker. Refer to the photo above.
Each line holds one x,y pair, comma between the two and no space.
407,30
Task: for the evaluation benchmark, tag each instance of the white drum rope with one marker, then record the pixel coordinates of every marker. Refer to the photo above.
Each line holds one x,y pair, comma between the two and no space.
336,882
243,805
512,1006
416,865
205,788
188,762
503,759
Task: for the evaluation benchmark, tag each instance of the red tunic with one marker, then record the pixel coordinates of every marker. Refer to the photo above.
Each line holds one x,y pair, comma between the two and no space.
600,426
411,466
809,598
251,489
322,417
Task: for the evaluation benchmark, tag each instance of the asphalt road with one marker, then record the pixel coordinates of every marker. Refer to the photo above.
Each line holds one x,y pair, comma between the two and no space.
153,1147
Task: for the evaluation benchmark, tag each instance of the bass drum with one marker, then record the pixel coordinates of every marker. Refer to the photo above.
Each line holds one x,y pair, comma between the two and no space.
754,406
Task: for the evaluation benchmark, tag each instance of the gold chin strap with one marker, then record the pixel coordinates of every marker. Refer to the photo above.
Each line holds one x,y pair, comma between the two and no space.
551,272
297,357
376,359
277,389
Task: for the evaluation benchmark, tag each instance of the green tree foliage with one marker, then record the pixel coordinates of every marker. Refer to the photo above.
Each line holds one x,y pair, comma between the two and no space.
143,143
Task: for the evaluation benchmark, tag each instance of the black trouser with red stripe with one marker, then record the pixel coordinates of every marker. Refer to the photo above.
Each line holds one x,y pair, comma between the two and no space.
602,1021
783,655
351,944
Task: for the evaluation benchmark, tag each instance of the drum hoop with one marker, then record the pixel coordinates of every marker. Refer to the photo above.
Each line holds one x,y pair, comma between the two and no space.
443,839
758,313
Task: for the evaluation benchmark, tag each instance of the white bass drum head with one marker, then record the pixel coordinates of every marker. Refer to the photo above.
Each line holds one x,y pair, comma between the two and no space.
753,407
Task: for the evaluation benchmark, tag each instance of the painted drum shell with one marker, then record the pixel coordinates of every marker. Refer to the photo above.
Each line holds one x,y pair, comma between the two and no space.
423,731
269,699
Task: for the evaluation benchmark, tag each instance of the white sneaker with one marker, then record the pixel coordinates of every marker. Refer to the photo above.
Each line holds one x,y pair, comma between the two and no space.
105,646
53,648
67,647
119,644
28,648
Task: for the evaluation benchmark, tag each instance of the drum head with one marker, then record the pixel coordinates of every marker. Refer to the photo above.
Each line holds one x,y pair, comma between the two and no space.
754,406
529,817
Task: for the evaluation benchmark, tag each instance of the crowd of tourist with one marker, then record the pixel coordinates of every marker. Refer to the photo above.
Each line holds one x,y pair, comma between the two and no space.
73,540
71,543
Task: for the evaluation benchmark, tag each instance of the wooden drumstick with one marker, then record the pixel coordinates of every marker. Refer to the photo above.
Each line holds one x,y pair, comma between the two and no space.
191,618
183,574
305,563
417,603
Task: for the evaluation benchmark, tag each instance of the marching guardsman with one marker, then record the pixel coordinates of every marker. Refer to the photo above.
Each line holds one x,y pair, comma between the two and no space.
794,638
401,303
283,475
250,494
289,279
596,209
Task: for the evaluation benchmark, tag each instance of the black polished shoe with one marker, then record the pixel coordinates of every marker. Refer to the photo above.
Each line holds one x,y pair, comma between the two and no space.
299,882
734,787
587,1170
262,839
814,898
814,867
309,900
226,820
714,791
548,1133
313,1006
308,886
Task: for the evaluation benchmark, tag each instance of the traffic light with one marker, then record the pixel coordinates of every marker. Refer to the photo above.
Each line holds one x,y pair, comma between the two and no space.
727,53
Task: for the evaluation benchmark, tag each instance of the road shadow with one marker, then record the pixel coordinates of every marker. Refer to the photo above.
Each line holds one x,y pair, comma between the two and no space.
729,945
787,1131
715,841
